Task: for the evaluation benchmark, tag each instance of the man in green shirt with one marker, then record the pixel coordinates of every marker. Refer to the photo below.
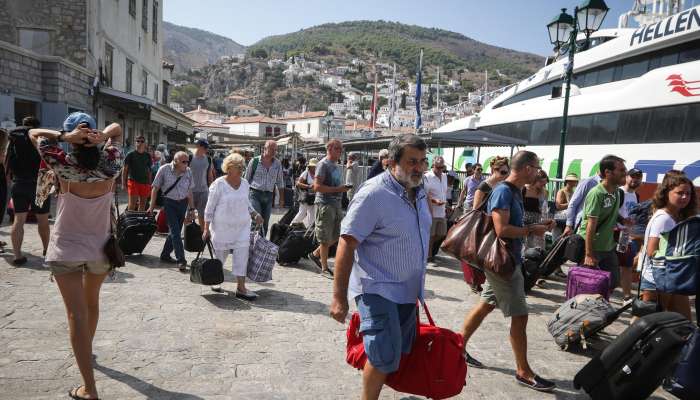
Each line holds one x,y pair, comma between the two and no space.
600,217
136,175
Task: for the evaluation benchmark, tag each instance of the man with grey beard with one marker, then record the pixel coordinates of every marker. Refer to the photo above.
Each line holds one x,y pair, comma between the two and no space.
380,262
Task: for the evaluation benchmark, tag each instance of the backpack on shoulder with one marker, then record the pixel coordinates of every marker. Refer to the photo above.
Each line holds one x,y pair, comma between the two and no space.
22,159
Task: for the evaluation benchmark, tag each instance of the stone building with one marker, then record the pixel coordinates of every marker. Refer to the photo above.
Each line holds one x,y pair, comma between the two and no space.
99,56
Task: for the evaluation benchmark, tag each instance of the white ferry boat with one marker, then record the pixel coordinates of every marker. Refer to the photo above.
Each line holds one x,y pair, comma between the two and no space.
635,93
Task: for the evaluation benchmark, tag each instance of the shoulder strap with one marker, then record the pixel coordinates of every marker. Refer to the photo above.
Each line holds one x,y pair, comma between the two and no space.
256,161
173,185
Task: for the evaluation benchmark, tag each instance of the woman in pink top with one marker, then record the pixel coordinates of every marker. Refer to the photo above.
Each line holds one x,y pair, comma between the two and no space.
75,253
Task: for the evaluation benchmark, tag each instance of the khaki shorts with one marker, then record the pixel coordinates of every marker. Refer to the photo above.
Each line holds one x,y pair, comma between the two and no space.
509,296
328,218
200,202
438,227
66,267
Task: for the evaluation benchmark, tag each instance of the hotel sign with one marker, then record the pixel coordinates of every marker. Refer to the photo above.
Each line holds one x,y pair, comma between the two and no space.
681,22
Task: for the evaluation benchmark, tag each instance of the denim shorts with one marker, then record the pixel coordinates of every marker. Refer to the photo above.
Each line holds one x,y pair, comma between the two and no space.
388,330
646,285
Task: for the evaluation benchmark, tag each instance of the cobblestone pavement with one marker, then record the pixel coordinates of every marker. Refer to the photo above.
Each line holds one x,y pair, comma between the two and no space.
162,337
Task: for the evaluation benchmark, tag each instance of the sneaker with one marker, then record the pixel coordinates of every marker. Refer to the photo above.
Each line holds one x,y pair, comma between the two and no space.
182,265
216,288
326,273
537,383
247,295
472,362
316,260
168,259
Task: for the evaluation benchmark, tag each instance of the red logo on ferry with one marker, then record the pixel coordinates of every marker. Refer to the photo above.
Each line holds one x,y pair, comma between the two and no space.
685,88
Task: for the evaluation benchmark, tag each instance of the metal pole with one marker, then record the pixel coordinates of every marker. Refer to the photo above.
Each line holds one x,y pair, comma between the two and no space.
567,92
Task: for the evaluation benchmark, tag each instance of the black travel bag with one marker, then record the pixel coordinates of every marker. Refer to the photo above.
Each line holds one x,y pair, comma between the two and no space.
193,241
278,232
298,243
289,215
638,360
532,260
134,230
207,271
575,250
555,258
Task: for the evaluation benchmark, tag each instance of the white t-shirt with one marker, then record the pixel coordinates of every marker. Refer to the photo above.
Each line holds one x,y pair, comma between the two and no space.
306,175
437,189
659,223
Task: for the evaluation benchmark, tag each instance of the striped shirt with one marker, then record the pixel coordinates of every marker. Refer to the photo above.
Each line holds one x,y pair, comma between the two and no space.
166,177
393,237
265,179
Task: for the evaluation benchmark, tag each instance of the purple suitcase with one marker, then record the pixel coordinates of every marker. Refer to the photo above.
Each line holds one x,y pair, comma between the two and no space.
585,280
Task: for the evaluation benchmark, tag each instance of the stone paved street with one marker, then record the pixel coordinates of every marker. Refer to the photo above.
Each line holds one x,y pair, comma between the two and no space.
162,337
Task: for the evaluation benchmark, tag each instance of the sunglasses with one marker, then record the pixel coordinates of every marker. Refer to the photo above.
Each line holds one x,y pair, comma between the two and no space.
139,141
503,171
478,170
184,161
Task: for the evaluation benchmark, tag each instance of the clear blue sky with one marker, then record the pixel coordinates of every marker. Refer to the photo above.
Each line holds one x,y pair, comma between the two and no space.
515,24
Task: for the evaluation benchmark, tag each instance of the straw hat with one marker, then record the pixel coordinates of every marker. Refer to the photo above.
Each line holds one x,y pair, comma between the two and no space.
571,177
312,162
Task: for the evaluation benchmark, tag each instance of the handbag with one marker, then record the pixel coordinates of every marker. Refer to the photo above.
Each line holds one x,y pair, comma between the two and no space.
576,244
193,238
473,239
309,198
207,271
640,307
112,251
262,255
435,367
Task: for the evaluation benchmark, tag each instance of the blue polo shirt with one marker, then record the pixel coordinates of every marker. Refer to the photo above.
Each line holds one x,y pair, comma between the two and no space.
393,237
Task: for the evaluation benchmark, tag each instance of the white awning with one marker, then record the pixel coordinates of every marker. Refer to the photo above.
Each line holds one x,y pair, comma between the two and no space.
172,119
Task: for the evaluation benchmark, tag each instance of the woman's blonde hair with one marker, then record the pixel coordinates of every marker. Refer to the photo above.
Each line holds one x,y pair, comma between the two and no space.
233,160
498,162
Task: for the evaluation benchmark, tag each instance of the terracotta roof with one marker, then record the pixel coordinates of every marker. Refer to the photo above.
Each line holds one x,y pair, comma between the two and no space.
249,120
245,106
209,124
237,97
308,114
201,111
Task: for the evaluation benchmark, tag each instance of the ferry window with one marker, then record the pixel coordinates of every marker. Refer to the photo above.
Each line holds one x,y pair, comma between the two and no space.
522,130
692,124
579,129
605,75
617,73
666,124
632,126
603,128
541,131
591,78
689,55
634,69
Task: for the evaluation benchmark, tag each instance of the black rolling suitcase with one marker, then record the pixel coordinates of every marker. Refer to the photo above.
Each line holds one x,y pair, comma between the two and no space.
555,257
289,215
134,231
297,244
278,232
192,239
638,360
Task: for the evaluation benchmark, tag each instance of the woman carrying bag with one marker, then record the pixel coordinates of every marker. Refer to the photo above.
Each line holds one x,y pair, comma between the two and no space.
307,208
77,249
227,219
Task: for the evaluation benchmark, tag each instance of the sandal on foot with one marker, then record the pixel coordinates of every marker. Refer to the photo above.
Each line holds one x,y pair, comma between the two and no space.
73,394
19,261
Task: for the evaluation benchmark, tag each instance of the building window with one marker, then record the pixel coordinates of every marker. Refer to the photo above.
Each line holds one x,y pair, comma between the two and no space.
132,8
129,75
166,89
155,92
144,83
268,131
308,128
108,65
36,40
277,131
144,15
155,21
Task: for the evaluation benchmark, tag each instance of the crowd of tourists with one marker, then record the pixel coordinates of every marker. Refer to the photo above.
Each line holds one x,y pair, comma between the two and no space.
385,238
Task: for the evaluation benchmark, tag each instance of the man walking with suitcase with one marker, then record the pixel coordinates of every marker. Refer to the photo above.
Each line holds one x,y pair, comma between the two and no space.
263,174
381,257
136,175
600,213
506,208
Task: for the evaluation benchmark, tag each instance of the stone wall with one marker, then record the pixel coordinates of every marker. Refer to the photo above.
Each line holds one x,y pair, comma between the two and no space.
64,19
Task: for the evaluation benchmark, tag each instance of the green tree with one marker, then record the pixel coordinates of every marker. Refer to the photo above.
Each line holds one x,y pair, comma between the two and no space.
259,53
403,85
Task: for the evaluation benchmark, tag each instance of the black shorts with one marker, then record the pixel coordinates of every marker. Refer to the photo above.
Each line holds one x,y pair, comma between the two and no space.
23,196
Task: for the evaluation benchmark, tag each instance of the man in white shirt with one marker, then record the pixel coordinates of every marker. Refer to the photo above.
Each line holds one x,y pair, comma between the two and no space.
435,182
626,260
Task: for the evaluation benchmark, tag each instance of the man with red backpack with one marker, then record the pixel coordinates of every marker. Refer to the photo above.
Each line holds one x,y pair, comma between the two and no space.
22,166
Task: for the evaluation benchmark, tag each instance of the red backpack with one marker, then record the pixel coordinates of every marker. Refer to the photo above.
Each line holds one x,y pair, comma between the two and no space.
435,367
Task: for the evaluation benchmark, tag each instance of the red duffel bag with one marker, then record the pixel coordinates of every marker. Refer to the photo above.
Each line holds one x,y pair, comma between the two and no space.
435,367
162,222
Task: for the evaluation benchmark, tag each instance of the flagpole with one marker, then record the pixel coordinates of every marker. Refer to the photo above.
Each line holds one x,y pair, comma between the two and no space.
418,91
392,107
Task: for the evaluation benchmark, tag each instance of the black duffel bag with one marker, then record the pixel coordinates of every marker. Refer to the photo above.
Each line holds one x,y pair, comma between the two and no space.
193,241
207,271
575,248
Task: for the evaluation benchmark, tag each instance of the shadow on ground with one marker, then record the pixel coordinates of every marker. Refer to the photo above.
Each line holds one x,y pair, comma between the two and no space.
145,388
268,299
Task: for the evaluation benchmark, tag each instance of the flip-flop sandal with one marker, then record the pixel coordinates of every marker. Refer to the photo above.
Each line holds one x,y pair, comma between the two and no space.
73,394
19,261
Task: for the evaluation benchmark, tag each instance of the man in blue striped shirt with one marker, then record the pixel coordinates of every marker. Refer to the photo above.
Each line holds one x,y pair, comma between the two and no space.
381,258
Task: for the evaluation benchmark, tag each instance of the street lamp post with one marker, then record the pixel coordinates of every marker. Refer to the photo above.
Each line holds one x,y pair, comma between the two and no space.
565,28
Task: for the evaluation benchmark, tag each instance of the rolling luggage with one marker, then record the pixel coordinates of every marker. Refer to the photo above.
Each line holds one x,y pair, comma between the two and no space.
581,317
289,215
193,241
532,260
584,280
298,243
555,258
207,271
278,232
637,361
684,383
162,222
134,230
